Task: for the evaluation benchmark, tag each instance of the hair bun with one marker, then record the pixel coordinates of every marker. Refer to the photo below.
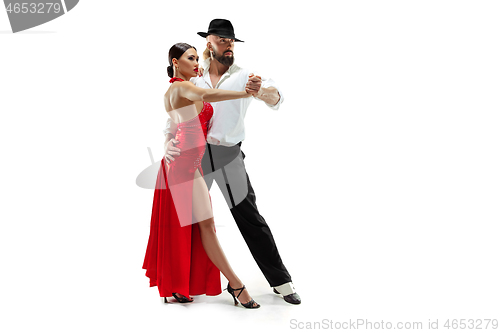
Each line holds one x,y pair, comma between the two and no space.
170,71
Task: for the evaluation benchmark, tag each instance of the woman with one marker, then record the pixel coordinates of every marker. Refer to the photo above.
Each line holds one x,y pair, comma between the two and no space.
183,256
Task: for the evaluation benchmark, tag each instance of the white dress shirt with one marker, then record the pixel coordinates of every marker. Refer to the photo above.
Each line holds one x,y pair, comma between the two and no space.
227,126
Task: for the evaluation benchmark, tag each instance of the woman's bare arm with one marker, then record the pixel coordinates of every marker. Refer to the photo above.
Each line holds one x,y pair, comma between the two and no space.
193,93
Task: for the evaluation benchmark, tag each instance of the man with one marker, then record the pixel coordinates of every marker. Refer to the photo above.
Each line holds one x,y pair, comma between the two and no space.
223,159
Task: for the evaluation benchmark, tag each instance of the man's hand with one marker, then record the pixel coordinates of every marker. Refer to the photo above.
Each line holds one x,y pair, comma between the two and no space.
171,150
253,84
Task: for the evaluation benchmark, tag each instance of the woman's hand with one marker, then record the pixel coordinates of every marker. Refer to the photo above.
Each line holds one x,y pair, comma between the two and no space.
250,92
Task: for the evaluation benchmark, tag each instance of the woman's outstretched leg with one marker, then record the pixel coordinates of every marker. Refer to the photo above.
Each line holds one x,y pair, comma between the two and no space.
202,211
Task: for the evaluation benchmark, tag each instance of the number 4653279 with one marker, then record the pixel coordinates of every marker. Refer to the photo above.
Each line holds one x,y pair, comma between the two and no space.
33,8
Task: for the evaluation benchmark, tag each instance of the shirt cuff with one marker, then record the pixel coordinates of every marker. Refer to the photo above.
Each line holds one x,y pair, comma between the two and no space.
277,105
267,83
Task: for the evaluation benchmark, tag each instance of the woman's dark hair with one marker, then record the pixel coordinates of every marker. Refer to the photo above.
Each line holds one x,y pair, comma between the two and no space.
176,52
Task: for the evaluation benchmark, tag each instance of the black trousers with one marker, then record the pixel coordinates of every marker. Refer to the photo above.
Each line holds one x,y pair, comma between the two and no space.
225,166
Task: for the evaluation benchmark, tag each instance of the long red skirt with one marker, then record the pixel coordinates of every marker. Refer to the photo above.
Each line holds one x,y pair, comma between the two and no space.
175,259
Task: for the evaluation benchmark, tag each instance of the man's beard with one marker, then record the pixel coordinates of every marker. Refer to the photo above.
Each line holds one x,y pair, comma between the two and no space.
224,60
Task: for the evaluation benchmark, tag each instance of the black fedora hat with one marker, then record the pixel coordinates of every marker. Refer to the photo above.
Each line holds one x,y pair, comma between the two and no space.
222,28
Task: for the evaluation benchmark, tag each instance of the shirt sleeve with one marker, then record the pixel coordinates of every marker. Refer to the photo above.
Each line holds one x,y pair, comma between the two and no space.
170,127
266,83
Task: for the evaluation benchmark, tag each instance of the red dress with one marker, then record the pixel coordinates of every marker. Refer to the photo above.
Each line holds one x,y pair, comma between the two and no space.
175,259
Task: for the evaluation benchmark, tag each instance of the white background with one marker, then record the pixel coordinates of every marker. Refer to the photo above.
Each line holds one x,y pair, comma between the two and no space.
378,175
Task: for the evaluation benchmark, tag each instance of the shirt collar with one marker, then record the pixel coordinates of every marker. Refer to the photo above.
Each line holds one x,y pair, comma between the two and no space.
206,66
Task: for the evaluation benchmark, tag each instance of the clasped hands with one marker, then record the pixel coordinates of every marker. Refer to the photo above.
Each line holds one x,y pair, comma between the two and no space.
253,84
